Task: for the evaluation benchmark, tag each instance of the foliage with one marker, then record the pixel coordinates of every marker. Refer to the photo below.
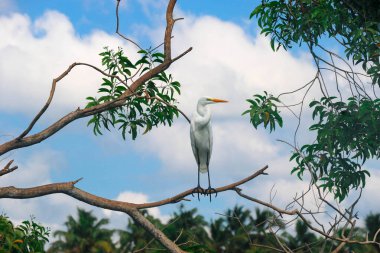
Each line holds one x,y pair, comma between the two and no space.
84,234
347,135
347,129
135,238
355,24
302,237
238,230
187,228
264,110
29,237
150,105
372,222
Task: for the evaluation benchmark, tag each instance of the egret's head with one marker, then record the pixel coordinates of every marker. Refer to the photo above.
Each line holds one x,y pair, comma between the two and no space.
210,100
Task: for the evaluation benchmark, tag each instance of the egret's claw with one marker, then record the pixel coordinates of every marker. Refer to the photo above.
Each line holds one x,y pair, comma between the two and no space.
210,191
198,190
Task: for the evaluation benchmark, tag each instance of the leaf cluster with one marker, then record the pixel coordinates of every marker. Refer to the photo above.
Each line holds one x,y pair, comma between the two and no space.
29,237
152,104
263,110
355,24
347,135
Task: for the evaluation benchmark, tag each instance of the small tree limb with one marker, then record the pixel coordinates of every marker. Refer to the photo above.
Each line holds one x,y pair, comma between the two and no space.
7,168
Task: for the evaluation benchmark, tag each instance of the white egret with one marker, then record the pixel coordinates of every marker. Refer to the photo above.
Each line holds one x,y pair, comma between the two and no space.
201,139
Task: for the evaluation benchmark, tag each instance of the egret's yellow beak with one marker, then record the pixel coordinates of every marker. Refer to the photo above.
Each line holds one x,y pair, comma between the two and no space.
217,100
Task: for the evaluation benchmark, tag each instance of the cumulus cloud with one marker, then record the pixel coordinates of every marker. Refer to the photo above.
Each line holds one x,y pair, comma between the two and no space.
371,189
226,62
137,198
236,145
35,52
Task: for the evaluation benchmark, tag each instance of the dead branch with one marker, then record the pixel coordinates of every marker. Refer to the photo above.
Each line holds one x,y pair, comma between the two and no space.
303,218
7,168
117,26
69,189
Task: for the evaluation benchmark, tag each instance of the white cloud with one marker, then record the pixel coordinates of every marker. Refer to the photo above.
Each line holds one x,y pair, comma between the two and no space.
137,198
33,53
35,170
236,145
228,63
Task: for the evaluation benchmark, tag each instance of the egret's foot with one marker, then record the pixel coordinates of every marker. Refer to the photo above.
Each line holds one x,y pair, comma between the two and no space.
198,190
210,191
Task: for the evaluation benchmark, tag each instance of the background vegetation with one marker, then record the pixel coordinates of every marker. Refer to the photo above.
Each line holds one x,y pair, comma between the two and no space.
238,230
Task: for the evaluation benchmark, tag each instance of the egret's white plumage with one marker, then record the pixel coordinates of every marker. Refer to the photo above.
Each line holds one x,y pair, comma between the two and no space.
201,132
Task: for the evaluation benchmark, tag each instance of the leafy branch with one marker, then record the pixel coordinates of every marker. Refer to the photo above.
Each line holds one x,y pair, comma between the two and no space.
142,110
263,110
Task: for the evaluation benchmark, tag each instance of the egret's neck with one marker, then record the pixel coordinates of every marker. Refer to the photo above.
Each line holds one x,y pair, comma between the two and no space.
204,115
203,110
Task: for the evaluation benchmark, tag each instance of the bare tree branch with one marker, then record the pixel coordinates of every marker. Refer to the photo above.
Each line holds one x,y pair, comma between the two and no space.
301,216
69,188
7,168
117,26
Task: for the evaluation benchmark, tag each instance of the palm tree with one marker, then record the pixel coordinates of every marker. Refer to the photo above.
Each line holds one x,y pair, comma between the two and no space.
263,221
219,235
372,222
239,226
303,241
238,230
135,238
187,229
86,234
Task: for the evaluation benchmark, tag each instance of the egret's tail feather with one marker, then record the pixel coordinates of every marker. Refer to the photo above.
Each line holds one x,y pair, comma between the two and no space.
203,168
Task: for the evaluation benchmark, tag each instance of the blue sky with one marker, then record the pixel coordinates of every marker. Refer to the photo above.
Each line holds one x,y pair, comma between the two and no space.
230,60
94,14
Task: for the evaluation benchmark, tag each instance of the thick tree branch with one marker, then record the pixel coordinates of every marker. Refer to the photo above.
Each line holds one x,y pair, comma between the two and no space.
181,196
69,189
156,233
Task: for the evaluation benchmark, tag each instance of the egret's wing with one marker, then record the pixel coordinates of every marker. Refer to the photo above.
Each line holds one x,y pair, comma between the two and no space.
210,143
193,144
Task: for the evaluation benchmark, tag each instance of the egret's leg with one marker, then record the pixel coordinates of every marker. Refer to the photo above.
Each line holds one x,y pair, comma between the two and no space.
198,189
210,190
